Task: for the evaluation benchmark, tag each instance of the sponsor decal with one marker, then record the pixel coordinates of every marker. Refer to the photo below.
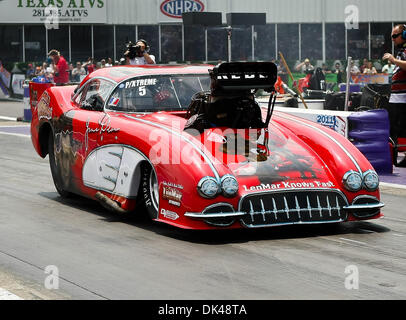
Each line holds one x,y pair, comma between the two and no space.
140,83
174,185
290,185
336,123
173,195
34,97
169,214
104,127
114,102
44,111
175,8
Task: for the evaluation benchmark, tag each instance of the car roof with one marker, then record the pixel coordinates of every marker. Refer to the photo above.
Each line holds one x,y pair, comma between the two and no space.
121,73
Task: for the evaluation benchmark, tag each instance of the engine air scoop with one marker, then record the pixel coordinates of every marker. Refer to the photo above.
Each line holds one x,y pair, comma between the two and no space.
239,76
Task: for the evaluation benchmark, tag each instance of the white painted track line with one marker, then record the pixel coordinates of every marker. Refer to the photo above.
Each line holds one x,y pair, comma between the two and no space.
6,295
8,118
392,185
15,134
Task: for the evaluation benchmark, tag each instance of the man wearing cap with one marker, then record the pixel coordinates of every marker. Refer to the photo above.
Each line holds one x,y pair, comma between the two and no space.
61,68
305,66
397,101
138,54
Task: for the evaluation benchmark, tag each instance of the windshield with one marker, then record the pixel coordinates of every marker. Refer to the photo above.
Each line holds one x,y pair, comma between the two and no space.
157,93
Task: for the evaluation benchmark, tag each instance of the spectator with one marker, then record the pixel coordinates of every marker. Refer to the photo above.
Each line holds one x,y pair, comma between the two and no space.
89,65
109,63
37,71
364,65
30,71
46,71
78,73
61,68
305,67
388,68
397,100
103,63
370,69
337,70
71,67
138,54
281,71
354,70
325,69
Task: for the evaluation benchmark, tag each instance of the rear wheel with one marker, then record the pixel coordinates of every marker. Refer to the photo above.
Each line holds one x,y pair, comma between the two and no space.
150,190
54,170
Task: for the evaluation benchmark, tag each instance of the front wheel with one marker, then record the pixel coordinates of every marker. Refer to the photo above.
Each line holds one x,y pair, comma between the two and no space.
54,170
150,190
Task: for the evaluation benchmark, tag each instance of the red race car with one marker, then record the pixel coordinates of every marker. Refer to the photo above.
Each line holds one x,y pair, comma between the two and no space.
192,145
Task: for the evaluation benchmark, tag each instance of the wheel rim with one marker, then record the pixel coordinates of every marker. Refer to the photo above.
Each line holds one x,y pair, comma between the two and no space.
154,189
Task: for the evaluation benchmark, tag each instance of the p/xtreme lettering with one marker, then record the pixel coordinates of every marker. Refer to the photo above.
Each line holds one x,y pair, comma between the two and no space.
168,310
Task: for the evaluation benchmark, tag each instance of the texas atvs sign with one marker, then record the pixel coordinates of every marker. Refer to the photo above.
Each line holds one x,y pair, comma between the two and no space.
53,11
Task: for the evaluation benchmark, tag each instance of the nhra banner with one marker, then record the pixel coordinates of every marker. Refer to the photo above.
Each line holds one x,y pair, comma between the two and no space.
381,78
53,11
171,10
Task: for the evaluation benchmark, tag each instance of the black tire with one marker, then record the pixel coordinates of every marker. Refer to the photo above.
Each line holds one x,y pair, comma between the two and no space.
149,191
54,171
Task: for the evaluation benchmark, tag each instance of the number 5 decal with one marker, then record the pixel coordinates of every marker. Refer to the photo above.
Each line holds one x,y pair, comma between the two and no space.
143,91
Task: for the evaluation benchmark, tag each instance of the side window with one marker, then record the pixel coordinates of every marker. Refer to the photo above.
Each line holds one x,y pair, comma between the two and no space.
94,94
156,93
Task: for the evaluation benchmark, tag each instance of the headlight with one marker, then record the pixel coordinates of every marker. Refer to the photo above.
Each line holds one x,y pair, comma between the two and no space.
352,181
371,180
208,187
229,184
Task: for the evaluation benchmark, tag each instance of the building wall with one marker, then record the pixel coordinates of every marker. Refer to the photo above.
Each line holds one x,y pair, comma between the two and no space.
299,28
286,11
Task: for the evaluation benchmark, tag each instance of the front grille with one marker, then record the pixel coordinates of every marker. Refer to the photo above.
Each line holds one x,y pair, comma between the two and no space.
366,212
293,207
219,208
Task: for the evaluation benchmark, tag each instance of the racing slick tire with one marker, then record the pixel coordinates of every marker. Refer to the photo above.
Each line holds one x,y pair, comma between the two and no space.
52,163
150,190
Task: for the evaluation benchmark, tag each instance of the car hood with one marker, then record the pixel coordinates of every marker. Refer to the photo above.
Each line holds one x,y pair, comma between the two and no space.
260,159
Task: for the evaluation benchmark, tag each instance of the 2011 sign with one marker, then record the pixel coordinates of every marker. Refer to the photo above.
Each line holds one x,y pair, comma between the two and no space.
175,8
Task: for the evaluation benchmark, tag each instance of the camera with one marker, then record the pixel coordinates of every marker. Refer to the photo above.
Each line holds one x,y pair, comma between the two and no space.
133,50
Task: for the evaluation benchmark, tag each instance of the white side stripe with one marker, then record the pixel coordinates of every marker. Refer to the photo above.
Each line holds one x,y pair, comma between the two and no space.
330,137
206,158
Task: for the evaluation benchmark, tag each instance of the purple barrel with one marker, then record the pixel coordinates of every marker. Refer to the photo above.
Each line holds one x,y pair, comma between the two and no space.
369,132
